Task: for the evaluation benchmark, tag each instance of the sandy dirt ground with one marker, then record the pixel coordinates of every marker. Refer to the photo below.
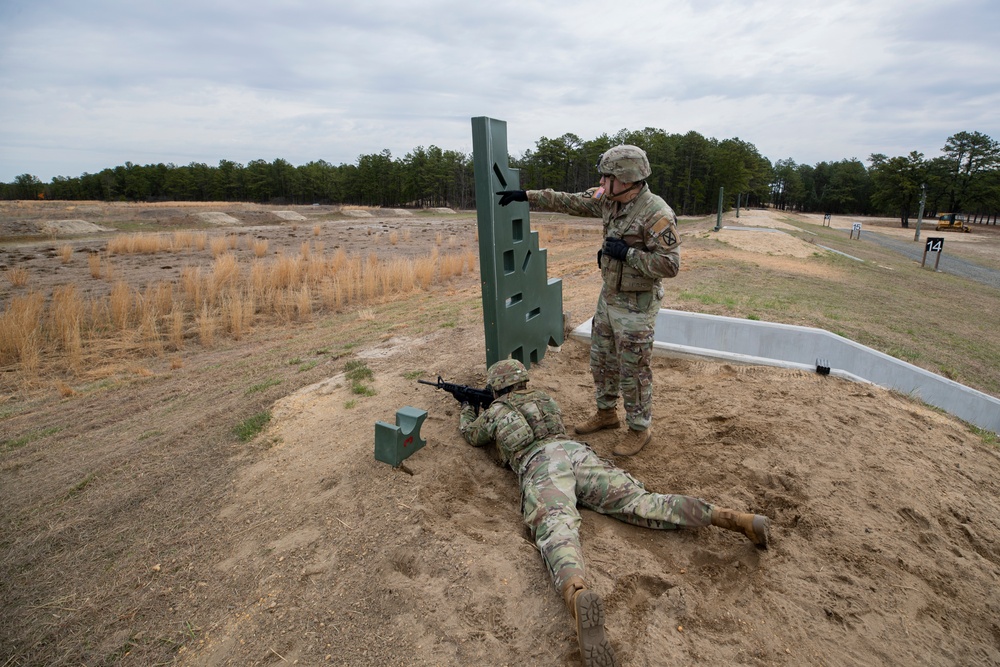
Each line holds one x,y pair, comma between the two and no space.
138,531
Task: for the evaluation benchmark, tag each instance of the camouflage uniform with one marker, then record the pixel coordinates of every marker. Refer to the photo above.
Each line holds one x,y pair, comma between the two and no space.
557,473
621,344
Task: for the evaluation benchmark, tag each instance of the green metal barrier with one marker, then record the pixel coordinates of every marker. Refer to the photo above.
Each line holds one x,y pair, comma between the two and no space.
522,308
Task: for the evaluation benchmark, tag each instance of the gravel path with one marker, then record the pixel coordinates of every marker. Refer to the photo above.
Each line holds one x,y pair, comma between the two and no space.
948,264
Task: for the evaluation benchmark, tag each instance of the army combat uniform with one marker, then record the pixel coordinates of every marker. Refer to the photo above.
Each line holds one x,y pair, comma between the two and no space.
622,333
557,473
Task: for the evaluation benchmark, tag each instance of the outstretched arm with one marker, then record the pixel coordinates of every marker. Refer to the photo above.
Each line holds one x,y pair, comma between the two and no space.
476,430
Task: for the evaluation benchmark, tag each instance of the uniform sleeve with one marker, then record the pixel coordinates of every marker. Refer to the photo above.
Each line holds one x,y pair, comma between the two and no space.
580,204
661,257
477,431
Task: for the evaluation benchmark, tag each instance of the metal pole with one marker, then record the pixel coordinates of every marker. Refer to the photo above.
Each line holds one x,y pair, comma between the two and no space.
920,216
718,217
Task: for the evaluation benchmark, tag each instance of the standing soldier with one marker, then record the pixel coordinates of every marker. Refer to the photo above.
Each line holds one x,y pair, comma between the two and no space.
556,473
641,247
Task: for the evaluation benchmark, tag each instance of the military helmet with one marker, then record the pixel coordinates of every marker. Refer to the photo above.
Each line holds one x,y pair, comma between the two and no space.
628,164
505,373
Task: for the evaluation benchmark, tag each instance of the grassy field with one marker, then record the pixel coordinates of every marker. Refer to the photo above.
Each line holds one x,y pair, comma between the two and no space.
890,303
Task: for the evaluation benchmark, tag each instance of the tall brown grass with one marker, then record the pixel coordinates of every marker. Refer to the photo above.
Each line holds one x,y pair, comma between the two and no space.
18,276
176,327
192,285
20,331
69,331
120,303
65,253
94,263
259,247
206,327
109,271
218,245
66,318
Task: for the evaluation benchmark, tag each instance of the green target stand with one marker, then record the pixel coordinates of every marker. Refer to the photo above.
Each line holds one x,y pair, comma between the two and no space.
522,307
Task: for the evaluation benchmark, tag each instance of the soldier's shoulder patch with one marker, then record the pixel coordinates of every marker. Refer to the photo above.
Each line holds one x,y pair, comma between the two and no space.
665,231
589,192
660,226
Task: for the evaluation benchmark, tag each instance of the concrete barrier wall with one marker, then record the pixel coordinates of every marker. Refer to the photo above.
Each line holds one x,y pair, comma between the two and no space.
694,335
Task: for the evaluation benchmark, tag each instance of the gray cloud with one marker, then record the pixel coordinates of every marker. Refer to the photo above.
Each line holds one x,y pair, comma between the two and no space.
85,86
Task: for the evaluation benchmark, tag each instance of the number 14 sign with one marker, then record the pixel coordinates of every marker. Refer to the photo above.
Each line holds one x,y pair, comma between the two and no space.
934,244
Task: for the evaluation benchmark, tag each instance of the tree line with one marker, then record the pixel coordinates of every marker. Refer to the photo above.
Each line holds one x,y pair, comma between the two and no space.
688,171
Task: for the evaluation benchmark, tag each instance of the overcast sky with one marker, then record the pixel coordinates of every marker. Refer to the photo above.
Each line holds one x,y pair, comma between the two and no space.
89,84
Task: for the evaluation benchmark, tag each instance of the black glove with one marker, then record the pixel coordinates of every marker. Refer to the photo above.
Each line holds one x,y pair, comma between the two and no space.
599,253
615,248
507,196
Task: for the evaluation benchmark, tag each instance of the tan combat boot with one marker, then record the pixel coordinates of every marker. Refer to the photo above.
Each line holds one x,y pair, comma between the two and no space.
588,611
634,442
755,526
607,418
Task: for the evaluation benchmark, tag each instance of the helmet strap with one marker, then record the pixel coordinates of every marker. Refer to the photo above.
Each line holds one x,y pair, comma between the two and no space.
637,184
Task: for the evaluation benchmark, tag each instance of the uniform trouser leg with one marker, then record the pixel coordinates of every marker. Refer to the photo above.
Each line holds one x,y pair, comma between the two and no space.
604,364
621,352
548,488
612,491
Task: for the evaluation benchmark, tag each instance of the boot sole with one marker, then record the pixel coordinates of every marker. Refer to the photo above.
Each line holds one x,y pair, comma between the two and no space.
761,531
595,649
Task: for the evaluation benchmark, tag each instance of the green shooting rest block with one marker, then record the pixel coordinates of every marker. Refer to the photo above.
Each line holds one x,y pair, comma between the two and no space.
395,443
522,308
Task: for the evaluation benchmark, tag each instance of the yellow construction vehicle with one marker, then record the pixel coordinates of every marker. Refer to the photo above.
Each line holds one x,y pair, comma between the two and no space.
952,221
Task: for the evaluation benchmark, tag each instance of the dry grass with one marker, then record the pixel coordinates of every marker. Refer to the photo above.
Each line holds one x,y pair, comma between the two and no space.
192,286
18,276
21,332
66,318
109,268
141,244
218,245
65,253
176,329
94,262
206,327
258,247
425,268
120,303
71,333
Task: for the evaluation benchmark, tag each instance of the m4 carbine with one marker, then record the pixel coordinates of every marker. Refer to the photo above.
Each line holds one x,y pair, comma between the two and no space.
477,398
